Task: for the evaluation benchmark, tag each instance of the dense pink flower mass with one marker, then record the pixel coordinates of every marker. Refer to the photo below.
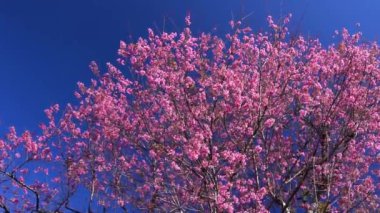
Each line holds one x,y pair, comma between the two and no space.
249,122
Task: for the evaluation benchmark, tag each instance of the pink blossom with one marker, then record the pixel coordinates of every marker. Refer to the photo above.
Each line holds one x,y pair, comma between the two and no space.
269,123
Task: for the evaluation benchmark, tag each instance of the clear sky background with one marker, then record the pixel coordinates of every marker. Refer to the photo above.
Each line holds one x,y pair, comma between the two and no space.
46,45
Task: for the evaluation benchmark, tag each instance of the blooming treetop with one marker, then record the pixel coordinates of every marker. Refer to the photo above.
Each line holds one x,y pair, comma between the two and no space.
249,122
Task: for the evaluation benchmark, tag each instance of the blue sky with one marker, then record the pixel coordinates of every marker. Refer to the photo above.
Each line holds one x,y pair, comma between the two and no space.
46,45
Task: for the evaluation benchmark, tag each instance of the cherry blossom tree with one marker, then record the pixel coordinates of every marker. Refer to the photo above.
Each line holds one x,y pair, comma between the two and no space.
249,122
